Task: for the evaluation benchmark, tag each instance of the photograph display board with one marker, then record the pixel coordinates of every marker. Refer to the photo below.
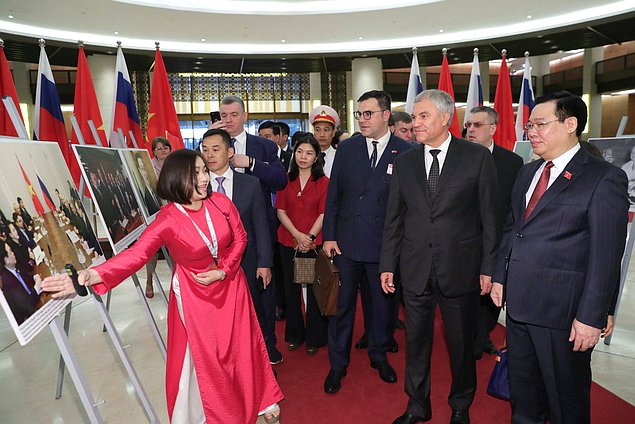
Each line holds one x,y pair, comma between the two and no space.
43,227
110,188
524,150
620,151
141,172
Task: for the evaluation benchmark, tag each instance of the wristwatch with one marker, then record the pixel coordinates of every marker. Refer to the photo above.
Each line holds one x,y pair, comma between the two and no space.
312,237
222,273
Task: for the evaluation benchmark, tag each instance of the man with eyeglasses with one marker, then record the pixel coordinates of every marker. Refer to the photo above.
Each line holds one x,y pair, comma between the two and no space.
481,126
441,236
559,264
353,223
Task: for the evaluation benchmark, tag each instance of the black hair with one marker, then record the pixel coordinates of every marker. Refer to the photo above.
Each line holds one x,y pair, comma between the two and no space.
270,124
284,128
317,169
224,134
178,179
567,105
382,98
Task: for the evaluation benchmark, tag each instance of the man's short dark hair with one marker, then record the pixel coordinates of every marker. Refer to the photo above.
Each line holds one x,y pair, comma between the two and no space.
284,128
275,127
567,105
492,115
227,140
178,179
400,116
19,199
382,98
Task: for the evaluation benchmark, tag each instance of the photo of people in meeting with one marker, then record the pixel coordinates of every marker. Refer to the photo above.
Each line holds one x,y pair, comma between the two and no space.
621,153
143,175
43,227
111,190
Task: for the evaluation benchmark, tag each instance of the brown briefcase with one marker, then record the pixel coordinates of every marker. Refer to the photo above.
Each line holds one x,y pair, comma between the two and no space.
326,287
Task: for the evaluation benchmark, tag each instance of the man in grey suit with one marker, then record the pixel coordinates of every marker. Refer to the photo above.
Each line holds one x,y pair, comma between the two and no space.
440,232
244,191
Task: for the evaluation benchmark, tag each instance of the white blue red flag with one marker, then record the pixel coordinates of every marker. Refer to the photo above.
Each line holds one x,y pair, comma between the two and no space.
475,89
525,101
124,116
414,83
49,120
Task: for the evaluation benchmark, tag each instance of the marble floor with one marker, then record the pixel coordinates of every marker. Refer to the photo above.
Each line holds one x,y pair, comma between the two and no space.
29,373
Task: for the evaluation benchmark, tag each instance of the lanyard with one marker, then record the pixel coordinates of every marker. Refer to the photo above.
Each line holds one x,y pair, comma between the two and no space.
211,245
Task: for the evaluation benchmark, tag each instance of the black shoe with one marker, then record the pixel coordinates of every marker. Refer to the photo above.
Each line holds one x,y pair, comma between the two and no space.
333,382
399,325
386,372
275,357
362,343
311,350
460,416
393,346
489,347
408,418
294,346
281,314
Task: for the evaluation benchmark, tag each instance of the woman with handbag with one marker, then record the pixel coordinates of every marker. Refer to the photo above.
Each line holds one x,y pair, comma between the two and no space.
300,209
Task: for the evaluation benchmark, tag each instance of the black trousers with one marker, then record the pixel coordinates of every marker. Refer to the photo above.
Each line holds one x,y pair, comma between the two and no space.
316,325
487,318
548,381
263,299
459,317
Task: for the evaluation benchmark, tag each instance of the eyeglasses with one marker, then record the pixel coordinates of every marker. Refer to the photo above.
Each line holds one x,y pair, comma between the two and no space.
538,126
162,149
367,114
476,125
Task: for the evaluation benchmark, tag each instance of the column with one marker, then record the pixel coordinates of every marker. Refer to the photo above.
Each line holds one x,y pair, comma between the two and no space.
367,74
484,70
589,91
539,68
315,89
23,88
423,76
102,70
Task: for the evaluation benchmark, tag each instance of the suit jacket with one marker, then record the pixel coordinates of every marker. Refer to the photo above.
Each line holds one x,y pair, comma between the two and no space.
457,231
507,166
357,198
26,237
22,304
564,261
285,158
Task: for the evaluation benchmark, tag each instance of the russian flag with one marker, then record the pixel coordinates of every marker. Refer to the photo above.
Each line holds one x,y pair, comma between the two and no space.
49,121
525,101
414,83
125,116
475,89
47,196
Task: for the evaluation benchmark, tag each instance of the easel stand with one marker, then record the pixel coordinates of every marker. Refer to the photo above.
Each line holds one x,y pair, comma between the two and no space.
73,369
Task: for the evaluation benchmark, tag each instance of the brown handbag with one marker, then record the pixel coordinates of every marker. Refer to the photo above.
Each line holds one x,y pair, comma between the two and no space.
326,287
304,267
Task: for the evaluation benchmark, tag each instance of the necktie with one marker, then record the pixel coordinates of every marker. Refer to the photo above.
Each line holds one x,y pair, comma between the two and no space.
373,156
540,189
221,189
433,176
323,157
17,274
233,142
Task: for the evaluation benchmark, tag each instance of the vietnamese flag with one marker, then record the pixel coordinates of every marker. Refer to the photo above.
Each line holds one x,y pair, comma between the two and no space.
505,135
162,119
445,84
36,201
7,89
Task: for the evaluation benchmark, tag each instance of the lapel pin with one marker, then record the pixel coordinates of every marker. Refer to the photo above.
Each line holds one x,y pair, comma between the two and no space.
567,175
394,152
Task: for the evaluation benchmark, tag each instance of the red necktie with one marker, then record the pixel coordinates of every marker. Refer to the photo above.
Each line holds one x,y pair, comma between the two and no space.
540,189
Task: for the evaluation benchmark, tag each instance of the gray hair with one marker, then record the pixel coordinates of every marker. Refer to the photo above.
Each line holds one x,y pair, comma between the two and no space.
440,99
491,113
228,100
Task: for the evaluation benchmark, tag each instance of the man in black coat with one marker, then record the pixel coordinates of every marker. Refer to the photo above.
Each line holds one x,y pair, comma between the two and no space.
481,126
440,232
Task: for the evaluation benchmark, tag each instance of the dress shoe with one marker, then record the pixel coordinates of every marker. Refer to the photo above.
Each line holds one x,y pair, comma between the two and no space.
333,382
281,314
393,346
460,416
362,343
408,418
294,346
275,357
386,372
311,350
489,348
399,325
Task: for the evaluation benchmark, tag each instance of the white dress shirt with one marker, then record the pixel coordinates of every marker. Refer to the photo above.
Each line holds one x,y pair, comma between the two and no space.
240,147
328,160
559,164
440,157
228,183
381,146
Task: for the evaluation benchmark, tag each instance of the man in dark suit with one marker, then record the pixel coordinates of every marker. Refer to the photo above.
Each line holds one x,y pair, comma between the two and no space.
441,234
244,191
353,222
25,214
25,235
559,263
273,131
481,126
256,156
18,286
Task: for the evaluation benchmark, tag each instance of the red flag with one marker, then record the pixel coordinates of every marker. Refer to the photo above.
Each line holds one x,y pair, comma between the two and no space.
505,135
36,201
445,84
162,119
85,108
7,89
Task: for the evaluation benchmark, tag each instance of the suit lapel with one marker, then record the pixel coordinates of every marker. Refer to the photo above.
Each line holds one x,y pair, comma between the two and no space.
422,178
361,151
525,186
452,161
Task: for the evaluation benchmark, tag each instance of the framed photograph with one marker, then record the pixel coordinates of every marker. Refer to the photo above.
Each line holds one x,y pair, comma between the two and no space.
620,151
141,172
110,188
524,150
43,227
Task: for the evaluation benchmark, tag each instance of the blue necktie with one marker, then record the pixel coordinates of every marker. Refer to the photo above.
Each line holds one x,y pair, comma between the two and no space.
233,142
373,156
221,189
17,274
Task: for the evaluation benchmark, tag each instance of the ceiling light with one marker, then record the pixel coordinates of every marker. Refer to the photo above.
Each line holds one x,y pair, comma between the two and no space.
198,63
440,30
284,58
116,32
546,41
360,38
528,16
203,40
283,41
200,57
10,16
